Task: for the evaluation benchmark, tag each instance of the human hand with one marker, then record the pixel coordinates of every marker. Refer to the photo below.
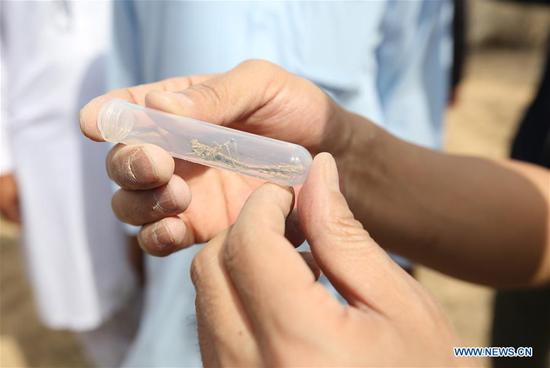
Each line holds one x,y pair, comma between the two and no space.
258,303
9,198
256,96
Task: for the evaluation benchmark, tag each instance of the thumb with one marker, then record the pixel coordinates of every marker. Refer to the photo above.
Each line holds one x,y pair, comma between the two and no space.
354,263
225,99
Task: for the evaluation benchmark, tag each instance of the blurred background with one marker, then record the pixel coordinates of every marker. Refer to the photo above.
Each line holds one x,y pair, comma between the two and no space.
505,55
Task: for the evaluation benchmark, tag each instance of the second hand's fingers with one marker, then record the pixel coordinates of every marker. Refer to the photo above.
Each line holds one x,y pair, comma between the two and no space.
269,275
136,94
224,332
138,167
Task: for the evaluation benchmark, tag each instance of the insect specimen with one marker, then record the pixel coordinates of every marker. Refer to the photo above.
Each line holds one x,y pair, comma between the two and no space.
223,154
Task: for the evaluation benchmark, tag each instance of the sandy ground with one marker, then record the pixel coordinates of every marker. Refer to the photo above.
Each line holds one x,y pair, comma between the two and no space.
498,85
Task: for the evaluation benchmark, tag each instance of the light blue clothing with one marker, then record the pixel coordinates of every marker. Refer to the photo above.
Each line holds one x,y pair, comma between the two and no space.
387,60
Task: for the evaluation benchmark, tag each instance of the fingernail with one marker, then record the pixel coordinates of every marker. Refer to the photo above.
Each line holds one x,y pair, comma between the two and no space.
163,201
330,172
162,237
287,189
141,167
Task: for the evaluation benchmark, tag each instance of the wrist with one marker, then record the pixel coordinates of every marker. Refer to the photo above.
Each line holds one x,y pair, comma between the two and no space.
355,144
338,133
351,137
360,148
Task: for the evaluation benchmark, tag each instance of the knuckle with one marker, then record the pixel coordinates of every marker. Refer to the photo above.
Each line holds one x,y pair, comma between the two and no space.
342,225
347,229
206,92
260,65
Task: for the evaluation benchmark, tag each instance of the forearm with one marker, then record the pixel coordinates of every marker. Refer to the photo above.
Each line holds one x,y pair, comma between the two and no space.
480,220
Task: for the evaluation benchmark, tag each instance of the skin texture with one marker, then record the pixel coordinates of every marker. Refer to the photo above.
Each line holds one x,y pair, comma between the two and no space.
9,198
481,220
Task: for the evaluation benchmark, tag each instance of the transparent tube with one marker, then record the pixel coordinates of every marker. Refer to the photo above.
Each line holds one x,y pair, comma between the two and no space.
205,143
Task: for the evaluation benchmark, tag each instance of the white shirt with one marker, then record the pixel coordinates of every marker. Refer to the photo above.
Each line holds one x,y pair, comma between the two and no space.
53,60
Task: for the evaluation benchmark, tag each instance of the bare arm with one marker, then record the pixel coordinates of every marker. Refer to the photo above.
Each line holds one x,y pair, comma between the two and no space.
481,220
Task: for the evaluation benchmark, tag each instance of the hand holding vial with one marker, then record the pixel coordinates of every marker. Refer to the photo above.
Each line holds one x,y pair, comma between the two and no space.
181,203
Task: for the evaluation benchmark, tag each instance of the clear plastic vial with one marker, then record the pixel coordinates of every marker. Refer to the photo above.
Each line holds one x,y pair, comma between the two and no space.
205,143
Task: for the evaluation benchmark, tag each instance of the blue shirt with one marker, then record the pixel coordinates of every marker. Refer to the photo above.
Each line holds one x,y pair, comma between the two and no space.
386,60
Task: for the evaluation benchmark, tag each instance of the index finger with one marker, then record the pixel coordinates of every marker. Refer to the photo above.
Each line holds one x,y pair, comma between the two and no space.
136,94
